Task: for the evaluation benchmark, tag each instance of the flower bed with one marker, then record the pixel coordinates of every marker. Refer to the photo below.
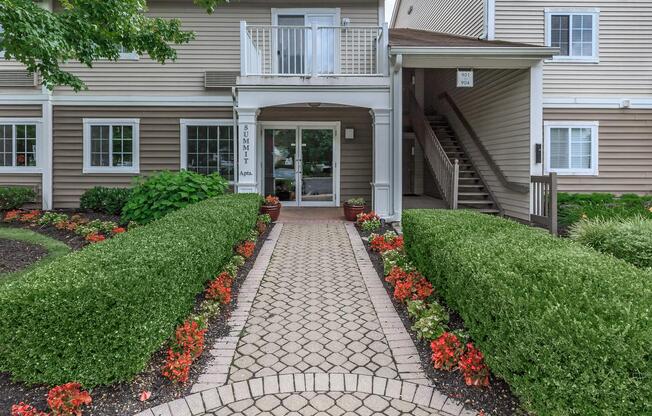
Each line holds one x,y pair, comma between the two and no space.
103,311
568,328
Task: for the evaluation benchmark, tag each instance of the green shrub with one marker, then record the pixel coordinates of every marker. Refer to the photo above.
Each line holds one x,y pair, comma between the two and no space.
164,192
14,197
96,316
568,328
628,239
575,207
106,200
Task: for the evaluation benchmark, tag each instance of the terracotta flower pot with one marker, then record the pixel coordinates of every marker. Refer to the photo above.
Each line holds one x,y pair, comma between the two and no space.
351,211
272,210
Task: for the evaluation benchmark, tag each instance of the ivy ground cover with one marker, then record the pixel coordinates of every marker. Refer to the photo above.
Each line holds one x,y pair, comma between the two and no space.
568,328
97,316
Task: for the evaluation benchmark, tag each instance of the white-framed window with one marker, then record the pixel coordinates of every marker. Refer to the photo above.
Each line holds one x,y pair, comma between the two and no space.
2,36
127,55
111,145
208,146
572,147
20,141
575,32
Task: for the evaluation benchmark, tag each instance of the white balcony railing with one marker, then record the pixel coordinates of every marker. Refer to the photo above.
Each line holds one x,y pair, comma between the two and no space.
313,50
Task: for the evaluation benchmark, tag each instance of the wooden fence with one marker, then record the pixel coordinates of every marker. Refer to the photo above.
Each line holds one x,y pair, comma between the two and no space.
544,202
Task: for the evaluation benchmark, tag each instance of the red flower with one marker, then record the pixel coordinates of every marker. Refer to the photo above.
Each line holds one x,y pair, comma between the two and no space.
220,288
30,216
68,399
446,351
382,244
95,237
12,215
144,396
177,366
189,338
364,217
411,285
22,409
246,249
271,200
118,230
472,366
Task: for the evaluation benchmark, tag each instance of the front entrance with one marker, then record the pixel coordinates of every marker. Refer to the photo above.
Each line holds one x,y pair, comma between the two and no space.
302,163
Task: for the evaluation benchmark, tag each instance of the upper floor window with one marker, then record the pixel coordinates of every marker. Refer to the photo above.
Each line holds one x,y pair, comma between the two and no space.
574,33
111,145
572,147
127,55
207,146
18,145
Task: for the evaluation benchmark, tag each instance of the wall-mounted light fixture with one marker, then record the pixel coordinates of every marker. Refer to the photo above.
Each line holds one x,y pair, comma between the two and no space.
349,134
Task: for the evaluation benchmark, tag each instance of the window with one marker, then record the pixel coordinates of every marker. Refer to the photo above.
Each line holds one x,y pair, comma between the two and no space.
574,33
18,145
111,146
127,55
207,146
572,147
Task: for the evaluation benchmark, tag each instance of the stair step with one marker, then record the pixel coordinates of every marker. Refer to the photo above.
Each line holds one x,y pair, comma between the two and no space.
488,211
475,202
474,193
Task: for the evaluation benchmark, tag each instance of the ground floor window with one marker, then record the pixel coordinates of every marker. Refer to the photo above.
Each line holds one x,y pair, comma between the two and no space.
572,147
111,145
207,146
18,144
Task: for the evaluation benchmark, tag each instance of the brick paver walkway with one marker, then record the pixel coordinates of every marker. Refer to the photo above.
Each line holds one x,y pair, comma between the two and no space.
314,333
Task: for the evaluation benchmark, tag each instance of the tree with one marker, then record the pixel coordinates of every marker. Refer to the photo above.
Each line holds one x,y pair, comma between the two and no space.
86,31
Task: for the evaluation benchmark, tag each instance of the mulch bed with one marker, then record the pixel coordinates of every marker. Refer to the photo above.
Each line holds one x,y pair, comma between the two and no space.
72,240
497,399
123,398
16,255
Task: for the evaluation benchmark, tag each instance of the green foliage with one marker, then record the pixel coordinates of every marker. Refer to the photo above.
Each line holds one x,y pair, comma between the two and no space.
86,31
575,207
627,239
371,225
265,219
568,328
164,192
52,218
106,200
96,316
396,258
429,319
14,197
357,202
54,247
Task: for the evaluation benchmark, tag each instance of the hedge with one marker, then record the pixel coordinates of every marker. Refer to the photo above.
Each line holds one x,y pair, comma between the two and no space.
96,316
627,239
575,207
567,327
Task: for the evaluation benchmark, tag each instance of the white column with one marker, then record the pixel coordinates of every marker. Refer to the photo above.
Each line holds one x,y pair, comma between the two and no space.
397,136
47,143
383,164
247,161
536,123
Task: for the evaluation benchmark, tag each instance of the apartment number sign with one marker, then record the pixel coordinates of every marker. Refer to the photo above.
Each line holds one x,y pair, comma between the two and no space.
464,78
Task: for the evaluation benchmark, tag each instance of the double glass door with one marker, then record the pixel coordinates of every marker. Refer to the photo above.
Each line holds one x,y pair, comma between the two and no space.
300,165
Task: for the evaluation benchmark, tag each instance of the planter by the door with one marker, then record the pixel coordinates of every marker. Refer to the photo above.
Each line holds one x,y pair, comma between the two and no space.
272,207
351,211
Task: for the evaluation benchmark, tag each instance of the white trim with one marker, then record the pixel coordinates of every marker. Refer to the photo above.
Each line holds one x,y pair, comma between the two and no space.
134,100
595,57
490,19
183,138
595,144
134,122
488,51
536,116
598,103
40,156
48,142
336,126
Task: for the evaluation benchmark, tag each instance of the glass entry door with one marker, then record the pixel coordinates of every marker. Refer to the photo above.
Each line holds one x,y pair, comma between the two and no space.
300,165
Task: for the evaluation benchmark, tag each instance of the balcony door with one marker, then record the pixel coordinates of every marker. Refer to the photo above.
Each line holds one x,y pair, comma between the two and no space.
294,41
302,163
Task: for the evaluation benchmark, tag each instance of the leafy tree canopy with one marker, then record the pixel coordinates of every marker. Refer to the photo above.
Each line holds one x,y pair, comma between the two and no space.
86,31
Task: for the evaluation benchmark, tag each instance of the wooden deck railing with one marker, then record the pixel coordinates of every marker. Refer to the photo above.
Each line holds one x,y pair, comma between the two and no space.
446,173
544,202
498,172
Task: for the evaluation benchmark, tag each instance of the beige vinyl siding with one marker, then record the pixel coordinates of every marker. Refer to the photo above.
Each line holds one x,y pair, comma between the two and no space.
30,180
624,155
498,108
462,17
21,111
216,47
159,145
355,155
625,68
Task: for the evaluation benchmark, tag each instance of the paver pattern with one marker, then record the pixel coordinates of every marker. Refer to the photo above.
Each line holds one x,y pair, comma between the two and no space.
312,313
314,333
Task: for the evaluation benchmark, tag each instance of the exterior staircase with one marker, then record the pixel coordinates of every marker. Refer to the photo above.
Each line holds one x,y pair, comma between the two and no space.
473,192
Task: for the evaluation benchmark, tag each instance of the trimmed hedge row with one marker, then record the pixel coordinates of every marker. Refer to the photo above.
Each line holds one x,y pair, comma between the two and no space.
97,316
568,328
575,207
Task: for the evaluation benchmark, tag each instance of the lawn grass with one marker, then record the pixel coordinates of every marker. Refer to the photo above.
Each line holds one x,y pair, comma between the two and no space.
54,247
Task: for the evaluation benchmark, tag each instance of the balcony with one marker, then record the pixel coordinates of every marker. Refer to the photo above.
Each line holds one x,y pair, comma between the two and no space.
313,51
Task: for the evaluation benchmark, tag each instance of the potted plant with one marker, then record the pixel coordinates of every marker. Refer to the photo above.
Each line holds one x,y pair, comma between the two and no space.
271,207
353,207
